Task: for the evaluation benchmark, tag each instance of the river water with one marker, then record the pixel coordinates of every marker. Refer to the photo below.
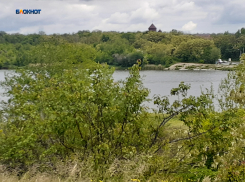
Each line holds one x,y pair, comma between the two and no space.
161,82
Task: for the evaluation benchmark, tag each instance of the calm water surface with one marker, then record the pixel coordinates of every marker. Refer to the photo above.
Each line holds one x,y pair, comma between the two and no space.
161,82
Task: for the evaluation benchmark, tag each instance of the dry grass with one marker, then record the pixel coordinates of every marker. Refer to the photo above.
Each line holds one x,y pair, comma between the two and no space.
38,178
70,172
119,170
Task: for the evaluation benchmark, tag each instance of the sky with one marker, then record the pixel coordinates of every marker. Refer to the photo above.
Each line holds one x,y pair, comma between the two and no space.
70,16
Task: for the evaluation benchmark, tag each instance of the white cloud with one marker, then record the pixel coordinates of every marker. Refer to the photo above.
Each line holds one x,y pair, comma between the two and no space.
189,26
67,16
137,19
145,12
118,18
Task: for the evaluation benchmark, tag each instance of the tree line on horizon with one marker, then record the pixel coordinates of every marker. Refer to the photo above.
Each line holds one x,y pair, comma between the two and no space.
123,49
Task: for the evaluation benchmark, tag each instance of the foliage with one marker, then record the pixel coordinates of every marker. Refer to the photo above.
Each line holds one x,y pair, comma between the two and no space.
242,58
197,49
229,46
79,111
163,48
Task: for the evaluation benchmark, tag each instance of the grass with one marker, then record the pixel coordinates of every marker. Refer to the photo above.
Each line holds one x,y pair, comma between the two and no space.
38,178
175,122
146,67
153,67
119,67
129,170
191,67
42,178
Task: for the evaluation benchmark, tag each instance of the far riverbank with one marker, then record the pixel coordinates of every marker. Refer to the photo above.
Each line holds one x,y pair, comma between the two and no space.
188,66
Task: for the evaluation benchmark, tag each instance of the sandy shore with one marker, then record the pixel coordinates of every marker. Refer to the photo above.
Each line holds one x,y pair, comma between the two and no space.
199,66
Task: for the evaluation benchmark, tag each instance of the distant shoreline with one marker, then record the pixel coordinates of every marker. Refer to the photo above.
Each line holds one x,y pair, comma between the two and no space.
187,66
199,66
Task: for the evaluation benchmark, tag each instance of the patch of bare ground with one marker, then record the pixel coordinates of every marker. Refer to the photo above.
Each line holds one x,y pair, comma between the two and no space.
199,66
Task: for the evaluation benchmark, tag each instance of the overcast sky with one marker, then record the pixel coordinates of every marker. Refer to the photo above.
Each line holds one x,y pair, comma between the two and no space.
70,16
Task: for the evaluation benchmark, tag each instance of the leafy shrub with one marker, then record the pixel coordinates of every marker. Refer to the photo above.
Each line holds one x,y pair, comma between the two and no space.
48,118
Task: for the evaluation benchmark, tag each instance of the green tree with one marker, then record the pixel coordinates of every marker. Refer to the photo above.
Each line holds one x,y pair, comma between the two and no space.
105,38
193,50
227,45
212,55
129,36
155,36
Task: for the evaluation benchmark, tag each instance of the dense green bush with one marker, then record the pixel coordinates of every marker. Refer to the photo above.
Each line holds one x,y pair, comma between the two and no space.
75,111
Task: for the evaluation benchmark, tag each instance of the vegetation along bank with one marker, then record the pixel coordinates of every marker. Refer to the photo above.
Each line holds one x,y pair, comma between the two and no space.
121,49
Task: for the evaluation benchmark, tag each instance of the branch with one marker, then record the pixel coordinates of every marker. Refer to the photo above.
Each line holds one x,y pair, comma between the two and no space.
180,139
165,120
62,143
187,138
78,126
